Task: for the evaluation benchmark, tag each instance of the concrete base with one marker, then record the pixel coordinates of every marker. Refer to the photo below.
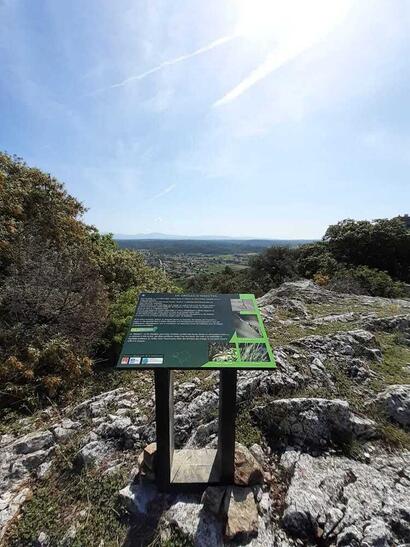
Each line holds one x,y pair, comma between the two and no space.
191,466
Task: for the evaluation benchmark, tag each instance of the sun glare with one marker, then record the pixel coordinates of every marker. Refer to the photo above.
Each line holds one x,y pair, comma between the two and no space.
289,21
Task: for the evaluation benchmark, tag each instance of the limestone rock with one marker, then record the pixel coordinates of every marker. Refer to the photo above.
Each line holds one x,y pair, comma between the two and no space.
257,452
98,405
138,497
199,527
92,453
114,429
353,503
349,537
189,416
10,504
395,402
203,434
42,540
69,536
242,514
357,343
33,442
304,290
398,323
313,421
32,461
248,470
376,534
65,429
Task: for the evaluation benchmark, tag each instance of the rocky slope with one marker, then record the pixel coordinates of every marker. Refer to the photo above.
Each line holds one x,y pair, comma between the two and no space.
329,430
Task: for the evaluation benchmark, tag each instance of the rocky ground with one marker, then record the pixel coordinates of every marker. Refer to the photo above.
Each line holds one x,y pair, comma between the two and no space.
327,432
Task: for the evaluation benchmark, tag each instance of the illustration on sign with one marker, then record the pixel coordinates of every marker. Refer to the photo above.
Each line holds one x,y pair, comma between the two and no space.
196,331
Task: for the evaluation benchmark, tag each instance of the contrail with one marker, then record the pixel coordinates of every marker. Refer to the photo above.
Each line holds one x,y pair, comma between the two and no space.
295,43
272,63
166,190
171,62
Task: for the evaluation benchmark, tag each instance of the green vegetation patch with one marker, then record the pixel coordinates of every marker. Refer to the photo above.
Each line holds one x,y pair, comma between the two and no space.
88,500
394,368
247,433
282,335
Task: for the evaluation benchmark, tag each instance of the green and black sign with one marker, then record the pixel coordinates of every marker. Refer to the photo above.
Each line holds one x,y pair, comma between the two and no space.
196,331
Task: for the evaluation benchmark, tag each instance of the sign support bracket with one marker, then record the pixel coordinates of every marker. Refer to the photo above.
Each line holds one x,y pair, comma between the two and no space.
164,411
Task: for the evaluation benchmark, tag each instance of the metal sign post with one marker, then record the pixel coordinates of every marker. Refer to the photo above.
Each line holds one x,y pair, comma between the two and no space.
173,332
181,469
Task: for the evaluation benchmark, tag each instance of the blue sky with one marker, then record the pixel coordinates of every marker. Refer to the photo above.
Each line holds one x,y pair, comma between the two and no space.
236,117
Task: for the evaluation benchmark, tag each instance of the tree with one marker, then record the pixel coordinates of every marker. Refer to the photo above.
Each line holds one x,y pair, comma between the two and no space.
365,280
382,244
316,258
65,289
272,267
33,202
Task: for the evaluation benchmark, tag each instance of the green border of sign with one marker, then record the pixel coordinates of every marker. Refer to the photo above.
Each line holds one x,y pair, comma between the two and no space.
237,341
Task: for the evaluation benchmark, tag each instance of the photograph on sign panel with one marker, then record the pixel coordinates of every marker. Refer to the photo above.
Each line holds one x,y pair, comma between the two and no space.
246,326
253,353
221,351
242,305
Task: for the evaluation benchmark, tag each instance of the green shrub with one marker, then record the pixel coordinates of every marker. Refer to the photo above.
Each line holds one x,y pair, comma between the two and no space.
364,280
66,291
41,373
272,267
315,258
382,244
226,281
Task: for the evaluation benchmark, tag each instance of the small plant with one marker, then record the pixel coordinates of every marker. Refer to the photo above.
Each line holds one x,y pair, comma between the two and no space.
247,432
321,279
395,436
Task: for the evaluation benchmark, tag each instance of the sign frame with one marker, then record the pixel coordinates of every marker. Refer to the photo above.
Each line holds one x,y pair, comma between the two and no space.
146,361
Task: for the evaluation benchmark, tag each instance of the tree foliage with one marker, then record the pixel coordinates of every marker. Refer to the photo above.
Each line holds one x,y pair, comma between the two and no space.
365,280
65,289
316,258
226,281
383,244
354,256
272,267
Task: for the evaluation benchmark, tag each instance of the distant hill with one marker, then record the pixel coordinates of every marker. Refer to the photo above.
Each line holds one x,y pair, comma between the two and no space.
207,246
157,235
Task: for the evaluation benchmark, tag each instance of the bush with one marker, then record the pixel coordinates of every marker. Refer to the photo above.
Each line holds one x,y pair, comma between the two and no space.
227,281
66,291
53,309
315,258
383,245
272,267
321,279
44,373
364,280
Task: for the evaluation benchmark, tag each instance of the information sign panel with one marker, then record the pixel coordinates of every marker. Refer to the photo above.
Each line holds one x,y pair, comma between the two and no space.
192,331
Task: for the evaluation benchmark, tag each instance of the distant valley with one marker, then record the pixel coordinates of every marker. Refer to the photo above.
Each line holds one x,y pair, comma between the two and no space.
181,258
172,245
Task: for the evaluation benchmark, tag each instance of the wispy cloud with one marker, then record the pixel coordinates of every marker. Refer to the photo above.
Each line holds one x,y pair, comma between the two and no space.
176,60
165,191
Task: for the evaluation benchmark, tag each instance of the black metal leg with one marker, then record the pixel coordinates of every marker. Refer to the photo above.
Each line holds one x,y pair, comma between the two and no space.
164,412
227,413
